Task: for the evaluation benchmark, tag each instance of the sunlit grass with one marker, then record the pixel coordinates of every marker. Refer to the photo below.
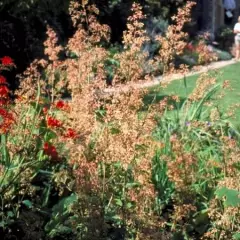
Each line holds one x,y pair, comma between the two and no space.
231,97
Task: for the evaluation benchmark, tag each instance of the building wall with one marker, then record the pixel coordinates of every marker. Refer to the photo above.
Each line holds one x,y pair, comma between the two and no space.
237,11
218,20
205,11
212,14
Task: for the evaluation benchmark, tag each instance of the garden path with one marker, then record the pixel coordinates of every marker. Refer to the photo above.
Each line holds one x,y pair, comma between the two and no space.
166,79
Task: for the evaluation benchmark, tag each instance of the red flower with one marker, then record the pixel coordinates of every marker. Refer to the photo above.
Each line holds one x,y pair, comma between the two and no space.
7,61
3,80
3,102
53,122
190,47
4,91
70,133
6,120
62,105
50,150
3,113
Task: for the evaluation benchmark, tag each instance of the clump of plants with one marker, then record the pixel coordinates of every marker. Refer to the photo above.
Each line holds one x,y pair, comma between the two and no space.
188,169
199,52
35,176
224,37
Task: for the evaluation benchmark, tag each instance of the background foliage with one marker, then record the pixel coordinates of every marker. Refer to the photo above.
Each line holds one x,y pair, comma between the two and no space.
23,23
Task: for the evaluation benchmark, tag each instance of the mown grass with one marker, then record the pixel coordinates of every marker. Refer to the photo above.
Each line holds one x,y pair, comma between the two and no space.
231,96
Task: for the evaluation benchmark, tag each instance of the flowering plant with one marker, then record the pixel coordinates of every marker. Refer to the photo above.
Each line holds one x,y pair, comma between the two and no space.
6,117
101,164
202,52
32,154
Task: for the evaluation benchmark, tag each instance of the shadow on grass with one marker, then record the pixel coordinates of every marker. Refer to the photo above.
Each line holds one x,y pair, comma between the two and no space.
155,98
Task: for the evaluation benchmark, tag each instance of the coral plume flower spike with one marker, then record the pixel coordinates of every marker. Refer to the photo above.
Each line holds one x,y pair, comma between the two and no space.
7,61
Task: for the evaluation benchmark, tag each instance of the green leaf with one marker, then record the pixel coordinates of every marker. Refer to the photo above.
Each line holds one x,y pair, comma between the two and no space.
232,196
132,185
60,213
50,135
36,131
236,236
10,214
72,55
119,202
117,165
116,218
115,130
27,203
2,224
129,205
60,230
46,195
64,204
4,150
113,62
185,84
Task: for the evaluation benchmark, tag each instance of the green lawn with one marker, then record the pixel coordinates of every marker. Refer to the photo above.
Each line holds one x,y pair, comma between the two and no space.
230,72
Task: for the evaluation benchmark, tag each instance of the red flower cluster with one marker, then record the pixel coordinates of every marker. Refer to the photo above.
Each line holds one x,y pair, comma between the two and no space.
2,80
70,134
3,90
7,61
3,101
6,120
50,150
190,47
53,122
62,105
